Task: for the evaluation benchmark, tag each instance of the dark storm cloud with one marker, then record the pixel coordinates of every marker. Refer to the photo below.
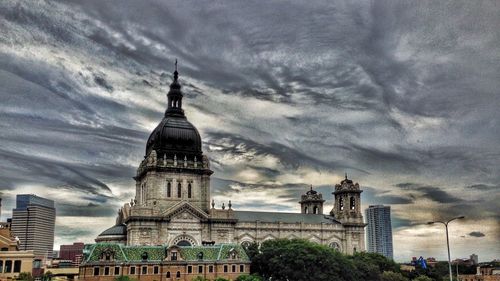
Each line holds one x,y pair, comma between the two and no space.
89,210
387,91
484,187
476,234
430,192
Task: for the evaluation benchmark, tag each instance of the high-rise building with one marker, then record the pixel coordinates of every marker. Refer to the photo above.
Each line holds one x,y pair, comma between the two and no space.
33,222
379,230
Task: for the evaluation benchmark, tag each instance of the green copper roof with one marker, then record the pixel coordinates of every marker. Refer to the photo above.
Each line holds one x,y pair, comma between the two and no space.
94,252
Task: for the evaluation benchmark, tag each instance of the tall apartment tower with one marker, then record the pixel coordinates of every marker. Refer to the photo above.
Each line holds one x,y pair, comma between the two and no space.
33,221
379,230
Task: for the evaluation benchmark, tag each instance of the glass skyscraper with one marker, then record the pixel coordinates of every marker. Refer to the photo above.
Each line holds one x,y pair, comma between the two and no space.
379,230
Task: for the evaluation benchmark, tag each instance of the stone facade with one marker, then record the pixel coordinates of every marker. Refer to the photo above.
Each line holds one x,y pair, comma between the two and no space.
172,205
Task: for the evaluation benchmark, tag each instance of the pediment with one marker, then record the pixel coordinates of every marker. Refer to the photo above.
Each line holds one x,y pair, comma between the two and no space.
184,211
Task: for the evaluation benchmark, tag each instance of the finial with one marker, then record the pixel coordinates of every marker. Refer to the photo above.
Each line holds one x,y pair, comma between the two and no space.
345,175
311,187
176,74
229,205
213,203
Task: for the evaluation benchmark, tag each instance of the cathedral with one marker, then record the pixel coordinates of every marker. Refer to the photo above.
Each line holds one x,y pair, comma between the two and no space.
172,205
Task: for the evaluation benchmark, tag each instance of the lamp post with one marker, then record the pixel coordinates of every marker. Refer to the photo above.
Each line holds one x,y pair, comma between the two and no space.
447,239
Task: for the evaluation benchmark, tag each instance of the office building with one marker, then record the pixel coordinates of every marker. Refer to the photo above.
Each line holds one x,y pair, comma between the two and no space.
33,222
379,230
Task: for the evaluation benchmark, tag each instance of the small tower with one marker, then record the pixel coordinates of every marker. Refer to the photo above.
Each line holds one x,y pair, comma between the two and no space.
347,207
312,202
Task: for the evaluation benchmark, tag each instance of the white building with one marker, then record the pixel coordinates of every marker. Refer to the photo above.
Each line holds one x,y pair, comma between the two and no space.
173,206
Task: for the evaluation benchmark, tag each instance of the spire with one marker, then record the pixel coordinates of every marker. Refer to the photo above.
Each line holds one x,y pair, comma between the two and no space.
174,96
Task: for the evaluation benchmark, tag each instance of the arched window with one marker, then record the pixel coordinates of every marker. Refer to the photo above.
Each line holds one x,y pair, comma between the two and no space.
245,244
183,243
169,189
353,203
189,190
305,210
179,190
143,193
168,274
335,246
178,275
341,204
315,210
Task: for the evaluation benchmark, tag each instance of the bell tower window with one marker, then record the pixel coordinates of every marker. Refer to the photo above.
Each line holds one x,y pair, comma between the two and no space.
353,203
179,190
341,204
315,210
189,191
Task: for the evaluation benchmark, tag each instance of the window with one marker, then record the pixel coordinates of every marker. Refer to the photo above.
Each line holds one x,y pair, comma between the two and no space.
233,268
4,249
8,267
173,256
156,269
179,190
305,210
341,204
200,268
315,210
144,270
117,270
190,269
132,270
17,266
200,255
210,268
189,190
1,266
106,270
168,274
242,268
225,268
178,275
96,271
353,201
169,189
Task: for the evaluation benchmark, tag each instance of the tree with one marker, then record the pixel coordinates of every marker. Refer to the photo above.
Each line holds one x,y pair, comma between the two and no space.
124,278
297,260
392,276
423,278
199,278
248,278
252,250
25,276
220,279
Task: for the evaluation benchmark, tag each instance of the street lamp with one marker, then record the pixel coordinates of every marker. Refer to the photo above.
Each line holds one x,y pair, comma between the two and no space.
447,239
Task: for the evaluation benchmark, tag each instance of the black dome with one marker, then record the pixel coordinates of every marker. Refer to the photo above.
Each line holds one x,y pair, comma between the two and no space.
175,135
120,229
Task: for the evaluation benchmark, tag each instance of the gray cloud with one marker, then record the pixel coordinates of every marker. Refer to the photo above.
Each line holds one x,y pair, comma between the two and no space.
390,92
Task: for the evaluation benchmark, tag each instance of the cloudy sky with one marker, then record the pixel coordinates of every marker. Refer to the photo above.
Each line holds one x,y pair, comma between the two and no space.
401,95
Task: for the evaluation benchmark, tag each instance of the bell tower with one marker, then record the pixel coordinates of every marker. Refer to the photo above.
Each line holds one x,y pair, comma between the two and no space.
347,207
347,210
312,202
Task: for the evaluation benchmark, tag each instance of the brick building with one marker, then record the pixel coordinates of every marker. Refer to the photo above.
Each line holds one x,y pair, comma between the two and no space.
105,261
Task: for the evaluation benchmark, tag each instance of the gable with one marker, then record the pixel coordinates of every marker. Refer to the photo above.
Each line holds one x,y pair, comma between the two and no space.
184,211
